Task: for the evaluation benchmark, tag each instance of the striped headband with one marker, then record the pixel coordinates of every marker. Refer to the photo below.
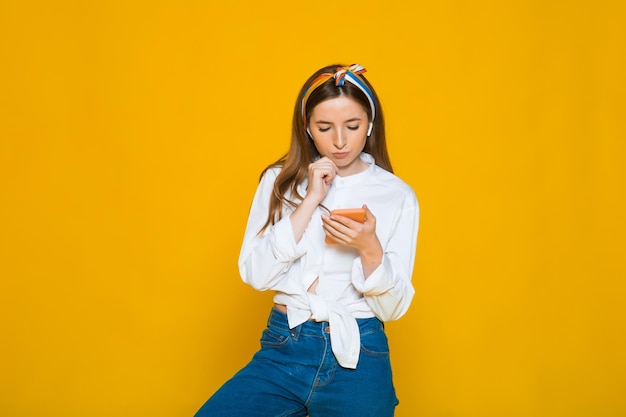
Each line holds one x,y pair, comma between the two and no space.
341,75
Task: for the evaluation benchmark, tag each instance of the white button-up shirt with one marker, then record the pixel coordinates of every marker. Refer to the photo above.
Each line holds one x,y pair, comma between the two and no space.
274,260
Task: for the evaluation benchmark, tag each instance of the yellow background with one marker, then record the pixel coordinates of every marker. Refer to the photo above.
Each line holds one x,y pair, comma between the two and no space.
132,135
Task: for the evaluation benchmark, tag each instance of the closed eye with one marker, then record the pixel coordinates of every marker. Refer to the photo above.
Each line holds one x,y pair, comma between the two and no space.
324,129
353,127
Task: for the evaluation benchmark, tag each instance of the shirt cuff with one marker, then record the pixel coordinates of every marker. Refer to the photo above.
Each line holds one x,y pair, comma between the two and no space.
379,282
283,242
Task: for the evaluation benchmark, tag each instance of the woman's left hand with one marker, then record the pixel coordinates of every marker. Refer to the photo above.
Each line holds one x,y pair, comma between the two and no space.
349,232
361,236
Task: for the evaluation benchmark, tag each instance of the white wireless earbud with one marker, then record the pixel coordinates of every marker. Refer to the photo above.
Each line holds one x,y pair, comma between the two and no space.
369,130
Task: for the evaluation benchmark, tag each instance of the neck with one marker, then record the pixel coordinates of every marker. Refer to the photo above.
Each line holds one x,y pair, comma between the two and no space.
356,167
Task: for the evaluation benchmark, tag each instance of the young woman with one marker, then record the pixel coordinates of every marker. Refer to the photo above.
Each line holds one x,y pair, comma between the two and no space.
336,280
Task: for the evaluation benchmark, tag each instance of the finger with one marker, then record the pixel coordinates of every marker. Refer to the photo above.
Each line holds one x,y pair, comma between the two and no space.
369,216
326,160
342,228
330,174
333,223
329,231
336,234
326,173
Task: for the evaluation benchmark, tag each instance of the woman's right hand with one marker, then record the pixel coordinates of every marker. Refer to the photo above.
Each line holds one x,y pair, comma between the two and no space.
321,175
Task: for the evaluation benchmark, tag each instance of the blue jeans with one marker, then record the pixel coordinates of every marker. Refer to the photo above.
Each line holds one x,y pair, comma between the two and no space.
295,374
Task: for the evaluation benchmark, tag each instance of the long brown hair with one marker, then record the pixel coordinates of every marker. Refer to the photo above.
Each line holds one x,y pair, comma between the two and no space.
302,151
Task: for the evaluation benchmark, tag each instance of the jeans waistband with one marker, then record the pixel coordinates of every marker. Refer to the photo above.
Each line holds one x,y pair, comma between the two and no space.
279,320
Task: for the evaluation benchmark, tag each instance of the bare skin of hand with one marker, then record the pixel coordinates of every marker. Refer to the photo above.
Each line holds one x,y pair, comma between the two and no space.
321,174
361,236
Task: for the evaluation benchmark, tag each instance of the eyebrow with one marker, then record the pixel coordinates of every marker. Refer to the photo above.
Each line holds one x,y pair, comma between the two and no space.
354,119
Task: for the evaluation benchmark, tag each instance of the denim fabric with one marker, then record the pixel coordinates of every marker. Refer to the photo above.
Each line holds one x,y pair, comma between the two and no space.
295,374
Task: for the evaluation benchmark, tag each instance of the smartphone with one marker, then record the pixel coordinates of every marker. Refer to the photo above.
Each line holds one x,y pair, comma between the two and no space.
356,214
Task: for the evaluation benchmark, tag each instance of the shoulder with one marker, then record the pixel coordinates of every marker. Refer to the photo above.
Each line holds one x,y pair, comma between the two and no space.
385,177
381,177
394,187
269,174
265,186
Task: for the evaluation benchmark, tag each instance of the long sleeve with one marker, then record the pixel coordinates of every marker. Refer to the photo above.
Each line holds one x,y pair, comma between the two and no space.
265,259
388,290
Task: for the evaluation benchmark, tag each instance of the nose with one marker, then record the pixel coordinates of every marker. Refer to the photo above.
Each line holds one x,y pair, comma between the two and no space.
340,140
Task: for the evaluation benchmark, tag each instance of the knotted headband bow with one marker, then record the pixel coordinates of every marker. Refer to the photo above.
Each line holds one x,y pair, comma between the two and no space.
341,75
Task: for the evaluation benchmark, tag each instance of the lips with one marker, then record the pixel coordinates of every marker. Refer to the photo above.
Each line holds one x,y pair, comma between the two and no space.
340,155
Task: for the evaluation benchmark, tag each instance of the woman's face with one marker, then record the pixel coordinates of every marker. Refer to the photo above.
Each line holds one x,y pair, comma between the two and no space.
339,130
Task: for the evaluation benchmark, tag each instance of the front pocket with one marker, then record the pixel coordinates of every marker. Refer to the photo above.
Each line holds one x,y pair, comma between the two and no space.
375,343
273,338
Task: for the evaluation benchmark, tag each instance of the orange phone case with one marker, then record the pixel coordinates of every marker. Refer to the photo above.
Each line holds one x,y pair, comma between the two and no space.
356,214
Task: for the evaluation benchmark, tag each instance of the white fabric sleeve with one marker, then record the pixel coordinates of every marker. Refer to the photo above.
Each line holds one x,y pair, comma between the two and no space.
388,289
265,258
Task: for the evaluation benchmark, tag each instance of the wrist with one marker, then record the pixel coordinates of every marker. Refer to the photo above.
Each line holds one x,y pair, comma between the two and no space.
309,203
372,254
